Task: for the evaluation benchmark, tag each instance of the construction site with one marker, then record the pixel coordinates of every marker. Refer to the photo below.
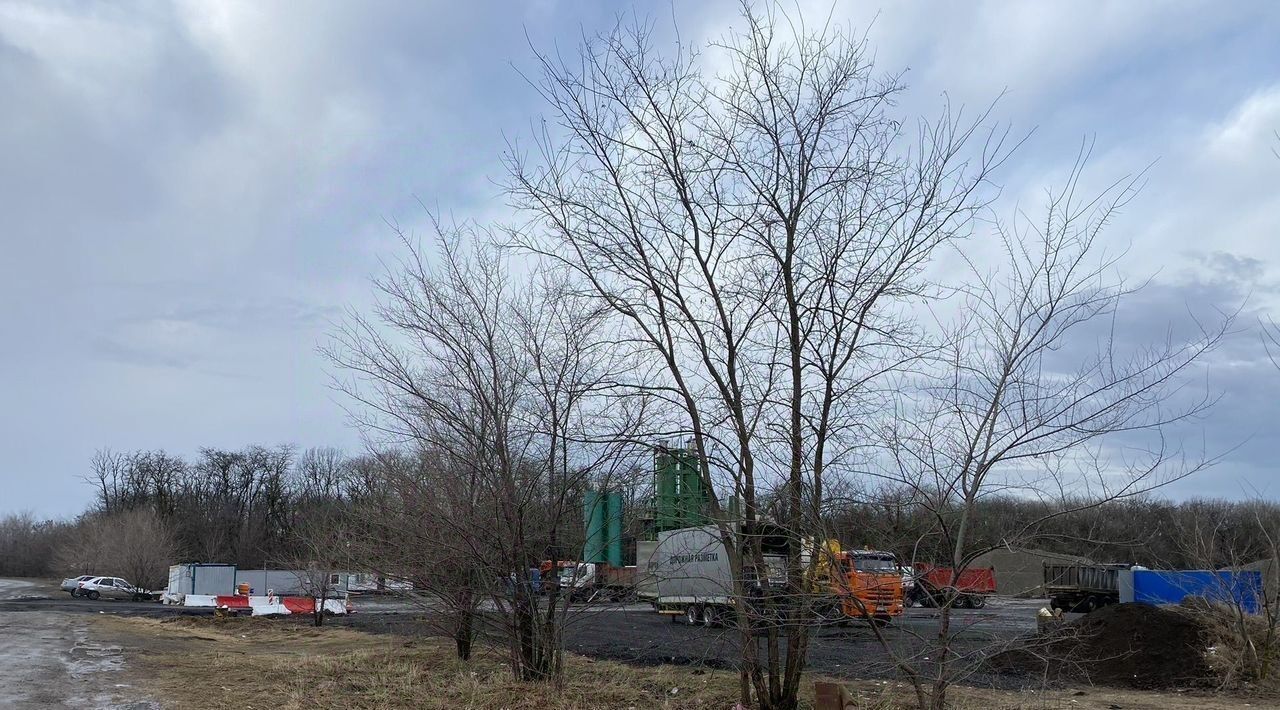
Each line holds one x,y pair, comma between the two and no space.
579,355
665,601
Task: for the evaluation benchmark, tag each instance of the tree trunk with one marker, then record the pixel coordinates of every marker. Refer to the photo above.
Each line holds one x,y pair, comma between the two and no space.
463,631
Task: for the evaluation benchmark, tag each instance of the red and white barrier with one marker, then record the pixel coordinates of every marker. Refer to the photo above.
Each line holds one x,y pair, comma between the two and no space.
265,605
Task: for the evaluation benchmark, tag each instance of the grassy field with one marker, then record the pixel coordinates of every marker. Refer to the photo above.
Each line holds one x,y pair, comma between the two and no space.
258,663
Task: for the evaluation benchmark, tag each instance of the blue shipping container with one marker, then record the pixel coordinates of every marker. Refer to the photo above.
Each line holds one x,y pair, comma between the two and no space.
1171,587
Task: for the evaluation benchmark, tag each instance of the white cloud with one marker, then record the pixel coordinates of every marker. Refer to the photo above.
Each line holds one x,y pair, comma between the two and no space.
1249,135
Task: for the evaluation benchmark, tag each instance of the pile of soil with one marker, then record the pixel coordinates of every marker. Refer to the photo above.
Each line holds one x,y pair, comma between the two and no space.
1125,645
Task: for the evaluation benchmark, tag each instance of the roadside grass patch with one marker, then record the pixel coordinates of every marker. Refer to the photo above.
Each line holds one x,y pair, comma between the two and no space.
247,663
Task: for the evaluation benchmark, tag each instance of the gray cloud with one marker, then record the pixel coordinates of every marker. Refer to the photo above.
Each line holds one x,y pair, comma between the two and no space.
189,190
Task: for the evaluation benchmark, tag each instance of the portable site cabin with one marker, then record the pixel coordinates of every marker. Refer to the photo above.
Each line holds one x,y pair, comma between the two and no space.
296,582
202,578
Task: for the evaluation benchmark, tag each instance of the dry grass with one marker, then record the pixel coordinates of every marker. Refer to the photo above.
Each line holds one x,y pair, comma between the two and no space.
254,663
1243,649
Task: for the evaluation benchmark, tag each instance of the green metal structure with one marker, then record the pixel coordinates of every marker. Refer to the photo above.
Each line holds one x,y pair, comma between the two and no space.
602,523
613,528
593,517
680,498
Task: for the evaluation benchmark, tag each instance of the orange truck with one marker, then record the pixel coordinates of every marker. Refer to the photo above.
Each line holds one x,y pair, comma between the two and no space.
871,586
857,584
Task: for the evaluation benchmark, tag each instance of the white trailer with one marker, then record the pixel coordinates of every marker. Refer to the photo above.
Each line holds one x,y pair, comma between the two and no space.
646,583
693,575
303,582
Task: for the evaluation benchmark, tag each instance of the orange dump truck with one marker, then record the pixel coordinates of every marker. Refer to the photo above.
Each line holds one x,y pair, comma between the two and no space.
870,586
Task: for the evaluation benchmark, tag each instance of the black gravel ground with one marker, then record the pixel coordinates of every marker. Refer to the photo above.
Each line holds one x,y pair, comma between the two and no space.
636,634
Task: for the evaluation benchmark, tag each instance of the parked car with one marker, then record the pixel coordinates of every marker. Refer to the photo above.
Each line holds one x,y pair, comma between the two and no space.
72,584
112,588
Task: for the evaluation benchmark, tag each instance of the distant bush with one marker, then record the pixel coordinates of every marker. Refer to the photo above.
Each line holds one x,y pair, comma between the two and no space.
27,545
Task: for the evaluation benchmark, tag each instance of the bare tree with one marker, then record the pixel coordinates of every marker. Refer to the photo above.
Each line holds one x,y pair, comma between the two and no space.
1022,402
758,229
27,544
494,377
322,552
137,544
421,528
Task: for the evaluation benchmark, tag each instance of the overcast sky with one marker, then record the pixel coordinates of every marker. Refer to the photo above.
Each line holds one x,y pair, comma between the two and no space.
191,191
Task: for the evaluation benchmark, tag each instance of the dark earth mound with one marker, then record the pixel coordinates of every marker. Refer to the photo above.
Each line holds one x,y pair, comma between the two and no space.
1125,645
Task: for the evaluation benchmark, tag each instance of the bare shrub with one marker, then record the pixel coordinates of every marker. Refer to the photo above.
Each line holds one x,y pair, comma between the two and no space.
137,544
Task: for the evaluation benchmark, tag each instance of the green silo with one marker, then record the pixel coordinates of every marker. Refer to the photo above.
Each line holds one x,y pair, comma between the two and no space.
613,528
693,497
666,516
593,515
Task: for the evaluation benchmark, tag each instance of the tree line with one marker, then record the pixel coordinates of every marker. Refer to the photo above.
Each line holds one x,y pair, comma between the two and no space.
1153,532
154,508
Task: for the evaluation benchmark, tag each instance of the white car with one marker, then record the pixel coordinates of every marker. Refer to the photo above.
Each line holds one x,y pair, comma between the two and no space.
72,584
111,588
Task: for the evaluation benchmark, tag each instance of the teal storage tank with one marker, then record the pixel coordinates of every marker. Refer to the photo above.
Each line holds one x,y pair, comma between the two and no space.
593,516
666,472
613,528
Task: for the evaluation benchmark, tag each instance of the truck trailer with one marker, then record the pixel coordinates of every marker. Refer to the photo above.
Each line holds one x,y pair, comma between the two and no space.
693,577
937,586
691,570
592,581
1082,587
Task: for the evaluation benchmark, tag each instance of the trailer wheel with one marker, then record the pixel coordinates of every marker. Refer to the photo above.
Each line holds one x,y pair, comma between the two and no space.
710,616
692,615
979,600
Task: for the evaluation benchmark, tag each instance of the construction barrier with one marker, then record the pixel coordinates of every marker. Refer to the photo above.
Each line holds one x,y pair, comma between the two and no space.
265,605
200,600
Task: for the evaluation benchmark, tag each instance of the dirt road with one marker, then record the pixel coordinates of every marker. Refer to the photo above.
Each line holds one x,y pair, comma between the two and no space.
51,659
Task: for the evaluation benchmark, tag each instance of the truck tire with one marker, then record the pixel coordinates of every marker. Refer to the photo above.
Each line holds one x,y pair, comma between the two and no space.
692,615
710,616
962,601
979,600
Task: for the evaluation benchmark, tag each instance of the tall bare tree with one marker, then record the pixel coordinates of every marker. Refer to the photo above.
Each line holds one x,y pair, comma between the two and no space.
1034,394
758,227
